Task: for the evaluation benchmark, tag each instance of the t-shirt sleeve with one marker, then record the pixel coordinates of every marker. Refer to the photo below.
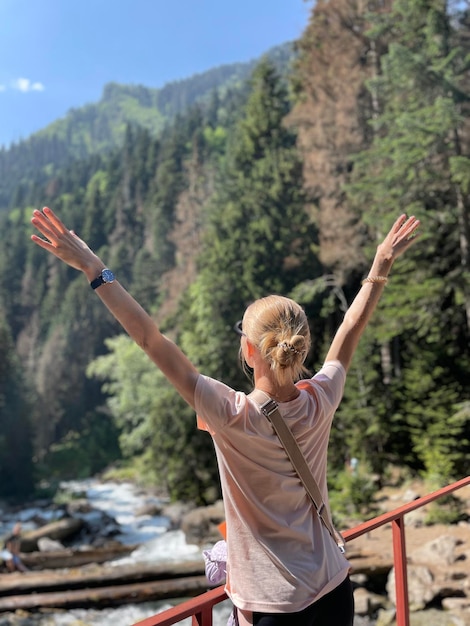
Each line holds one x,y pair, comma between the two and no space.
216,404
328,385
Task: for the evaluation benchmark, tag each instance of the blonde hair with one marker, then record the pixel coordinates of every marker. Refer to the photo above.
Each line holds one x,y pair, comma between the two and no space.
278,327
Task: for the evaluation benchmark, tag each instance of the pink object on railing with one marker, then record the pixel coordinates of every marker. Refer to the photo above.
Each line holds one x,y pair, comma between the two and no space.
200,607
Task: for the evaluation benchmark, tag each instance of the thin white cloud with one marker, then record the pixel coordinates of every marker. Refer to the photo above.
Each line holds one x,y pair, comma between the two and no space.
2,88
25,85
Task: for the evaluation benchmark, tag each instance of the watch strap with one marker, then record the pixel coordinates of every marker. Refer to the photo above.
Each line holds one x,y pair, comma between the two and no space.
97,282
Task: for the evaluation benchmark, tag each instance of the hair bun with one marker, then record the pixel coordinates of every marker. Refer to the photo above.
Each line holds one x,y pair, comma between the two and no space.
288,346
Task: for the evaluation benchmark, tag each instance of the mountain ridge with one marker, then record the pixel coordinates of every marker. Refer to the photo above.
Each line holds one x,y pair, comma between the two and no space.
100,126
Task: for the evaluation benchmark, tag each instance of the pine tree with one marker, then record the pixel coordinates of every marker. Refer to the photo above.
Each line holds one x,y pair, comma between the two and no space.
16,464
259,239
417,164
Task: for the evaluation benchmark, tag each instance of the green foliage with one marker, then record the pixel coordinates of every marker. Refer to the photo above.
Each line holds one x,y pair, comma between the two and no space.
352,493
169,182
138,469
446,510
81,455
416,162
16,468
443,446
155,424
130,386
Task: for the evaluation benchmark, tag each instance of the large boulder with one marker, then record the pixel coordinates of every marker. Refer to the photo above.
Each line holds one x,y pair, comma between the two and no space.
60,530
201,524
420,586
439,551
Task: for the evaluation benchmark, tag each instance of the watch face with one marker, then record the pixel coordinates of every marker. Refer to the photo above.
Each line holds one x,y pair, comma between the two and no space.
107,276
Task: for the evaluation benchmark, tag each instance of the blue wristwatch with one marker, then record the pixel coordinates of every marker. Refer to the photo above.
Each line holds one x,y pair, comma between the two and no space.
105,277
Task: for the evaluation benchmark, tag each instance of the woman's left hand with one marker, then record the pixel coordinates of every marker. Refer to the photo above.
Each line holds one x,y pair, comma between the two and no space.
61,242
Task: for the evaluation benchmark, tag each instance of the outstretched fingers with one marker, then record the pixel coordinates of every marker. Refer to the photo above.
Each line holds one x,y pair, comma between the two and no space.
59,241
404,233
409,228
54,220
50,226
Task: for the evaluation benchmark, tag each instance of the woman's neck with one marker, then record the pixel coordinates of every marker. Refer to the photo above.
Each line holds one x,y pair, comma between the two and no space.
280,393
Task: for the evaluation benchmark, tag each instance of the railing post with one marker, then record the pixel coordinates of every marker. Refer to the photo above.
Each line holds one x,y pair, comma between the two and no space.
401,576
203,617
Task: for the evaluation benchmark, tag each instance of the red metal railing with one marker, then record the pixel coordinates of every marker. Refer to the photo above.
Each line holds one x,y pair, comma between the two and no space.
200,607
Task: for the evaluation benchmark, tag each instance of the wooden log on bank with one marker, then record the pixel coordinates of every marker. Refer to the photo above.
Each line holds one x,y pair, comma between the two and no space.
107,596
101,575
69,557
93,576
100,586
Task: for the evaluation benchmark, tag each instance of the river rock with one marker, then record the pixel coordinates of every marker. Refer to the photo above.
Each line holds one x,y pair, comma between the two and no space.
368,603
434,617
201,524
457,605
149,508
77,507
439,551
175,513
420,586
385,617
46,544
430,617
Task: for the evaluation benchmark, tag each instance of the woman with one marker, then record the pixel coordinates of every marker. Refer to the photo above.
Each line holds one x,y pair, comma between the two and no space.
283,565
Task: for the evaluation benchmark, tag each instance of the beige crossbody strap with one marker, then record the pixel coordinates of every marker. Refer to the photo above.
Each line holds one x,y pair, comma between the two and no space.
270,409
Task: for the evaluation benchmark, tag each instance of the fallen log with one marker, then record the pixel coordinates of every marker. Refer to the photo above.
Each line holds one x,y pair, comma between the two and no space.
69,557
58,530
96,585
92,576
107,596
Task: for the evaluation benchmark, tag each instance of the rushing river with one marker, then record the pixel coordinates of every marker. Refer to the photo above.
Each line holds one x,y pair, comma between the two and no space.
157,544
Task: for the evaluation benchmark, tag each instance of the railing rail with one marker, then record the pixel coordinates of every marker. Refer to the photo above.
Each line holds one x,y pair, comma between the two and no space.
200,608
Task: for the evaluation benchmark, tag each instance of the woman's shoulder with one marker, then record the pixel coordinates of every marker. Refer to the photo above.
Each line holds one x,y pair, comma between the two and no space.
327,383
211,386
216,402
330,371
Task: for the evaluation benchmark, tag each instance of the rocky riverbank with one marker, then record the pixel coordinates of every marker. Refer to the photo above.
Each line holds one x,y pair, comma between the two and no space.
438,559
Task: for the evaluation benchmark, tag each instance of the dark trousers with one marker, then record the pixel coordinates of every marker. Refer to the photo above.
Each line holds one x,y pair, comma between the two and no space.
334,609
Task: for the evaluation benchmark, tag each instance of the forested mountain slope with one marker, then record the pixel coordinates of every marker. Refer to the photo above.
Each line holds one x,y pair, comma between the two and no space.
100,126
259,192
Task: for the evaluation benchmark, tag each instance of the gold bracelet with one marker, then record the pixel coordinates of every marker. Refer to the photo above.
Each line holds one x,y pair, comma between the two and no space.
375,279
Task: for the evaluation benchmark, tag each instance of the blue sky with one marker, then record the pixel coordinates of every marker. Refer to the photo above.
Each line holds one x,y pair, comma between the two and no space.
58,54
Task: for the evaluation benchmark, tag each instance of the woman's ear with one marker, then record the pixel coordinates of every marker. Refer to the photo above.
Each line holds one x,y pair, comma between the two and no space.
249,352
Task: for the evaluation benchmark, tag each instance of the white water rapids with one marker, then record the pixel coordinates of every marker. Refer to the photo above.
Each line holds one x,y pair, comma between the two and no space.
157,544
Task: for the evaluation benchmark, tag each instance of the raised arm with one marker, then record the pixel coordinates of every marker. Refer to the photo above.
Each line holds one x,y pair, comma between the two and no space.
70,249
401,236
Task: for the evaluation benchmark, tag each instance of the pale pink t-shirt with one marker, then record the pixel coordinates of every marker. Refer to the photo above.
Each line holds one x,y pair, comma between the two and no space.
281,558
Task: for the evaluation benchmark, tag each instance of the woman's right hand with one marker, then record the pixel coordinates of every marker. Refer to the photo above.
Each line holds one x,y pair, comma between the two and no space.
401,236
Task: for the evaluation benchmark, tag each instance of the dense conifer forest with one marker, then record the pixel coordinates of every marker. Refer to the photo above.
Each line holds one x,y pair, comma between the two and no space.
277,177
